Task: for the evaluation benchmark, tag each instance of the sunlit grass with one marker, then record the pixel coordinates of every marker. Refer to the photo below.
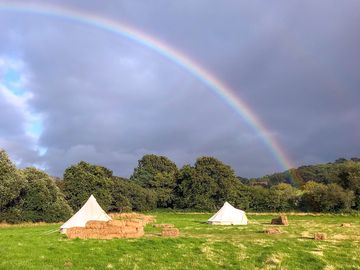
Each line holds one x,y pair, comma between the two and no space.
200,246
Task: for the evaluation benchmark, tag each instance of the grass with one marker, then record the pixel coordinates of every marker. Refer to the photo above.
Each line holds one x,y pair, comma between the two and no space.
200,246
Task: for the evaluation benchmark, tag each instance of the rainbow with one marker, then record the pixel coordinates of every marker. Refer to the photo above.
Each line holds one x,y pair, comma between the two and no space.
125,30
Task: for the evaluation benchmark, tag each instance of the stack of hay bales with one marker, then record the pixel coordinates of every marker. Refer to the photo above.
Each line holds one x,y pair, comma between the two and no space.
108,230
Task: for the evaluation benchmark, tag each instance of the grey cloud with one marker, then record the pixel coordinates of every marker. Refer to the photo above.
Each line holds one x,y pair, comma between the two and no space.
109,100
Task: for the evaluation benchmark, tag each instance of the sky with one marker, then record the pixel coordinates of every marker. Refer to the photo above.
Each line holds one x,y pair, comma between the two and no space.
70,91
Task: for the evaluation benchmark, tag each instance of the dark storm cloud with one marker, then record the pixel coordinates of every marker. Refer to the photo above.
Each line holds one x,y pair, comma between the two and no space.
108,100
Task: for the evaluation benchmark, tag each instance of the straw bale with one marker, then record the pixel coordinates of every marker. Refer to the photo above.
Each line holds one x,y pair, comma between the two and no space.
95,224
170,232
346,225
281,220
133,223
272,231
68,264
145,219
117,223
164,225
320,236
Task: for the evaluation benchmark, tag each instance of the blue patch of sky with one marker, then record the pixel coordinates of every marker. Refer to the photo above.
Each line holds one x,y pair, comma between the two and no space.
36,127
11,80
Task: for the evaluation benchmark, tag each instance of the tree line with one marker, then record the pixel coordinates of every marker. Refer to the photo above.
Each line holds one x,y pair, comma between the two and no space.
32,195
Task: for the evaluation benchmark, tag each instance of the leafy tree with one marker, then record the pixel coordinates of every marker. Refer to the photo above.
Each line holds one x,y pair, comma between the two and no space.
349,178
283,197
328,198
222,175
207,185
259,198
43,200
194,191
82,180
12,183
128,195
157,173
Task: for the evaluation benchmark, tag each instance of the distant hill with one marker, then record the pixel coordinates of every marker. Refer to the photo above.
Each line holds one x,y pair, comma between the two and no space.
322,173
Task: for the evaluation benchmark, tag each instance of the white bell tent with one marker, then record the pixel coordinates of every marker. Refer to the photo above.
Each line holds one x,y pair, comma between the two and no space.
229,215
91,210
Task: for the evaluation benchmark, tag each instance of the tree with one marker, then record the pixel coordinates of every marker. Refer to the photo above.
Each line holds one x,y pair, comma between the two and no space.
157,173
328,198
43,200
259,198
82,180
195,191
207,185
128,195
283,197
12,185
349,178
222,175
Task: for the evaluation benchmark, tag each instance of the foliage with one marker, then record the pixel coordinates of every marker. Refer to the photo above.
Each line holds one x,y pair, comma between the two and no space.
193,190
322,173
157,173
43,200
127,195
82,180
207,185
349,178
29,195
318,197
12,182
32,195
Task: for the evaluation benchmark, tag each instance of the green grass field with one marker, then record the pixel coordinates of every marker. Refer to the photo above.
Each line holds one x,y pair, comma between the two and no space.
200,246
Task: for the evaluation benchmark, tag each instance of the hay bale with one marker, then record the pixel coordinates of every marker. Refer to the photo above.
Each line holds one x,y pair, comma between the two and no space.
133,223
346,225
115,223
281,220
164,225
320,236
145,219
95,224
68,264
272,231
170,232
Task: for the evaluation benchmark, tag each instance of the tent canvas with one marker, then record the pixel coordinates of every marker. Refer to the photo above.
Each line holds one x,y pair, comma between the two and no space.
91,210
229,215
